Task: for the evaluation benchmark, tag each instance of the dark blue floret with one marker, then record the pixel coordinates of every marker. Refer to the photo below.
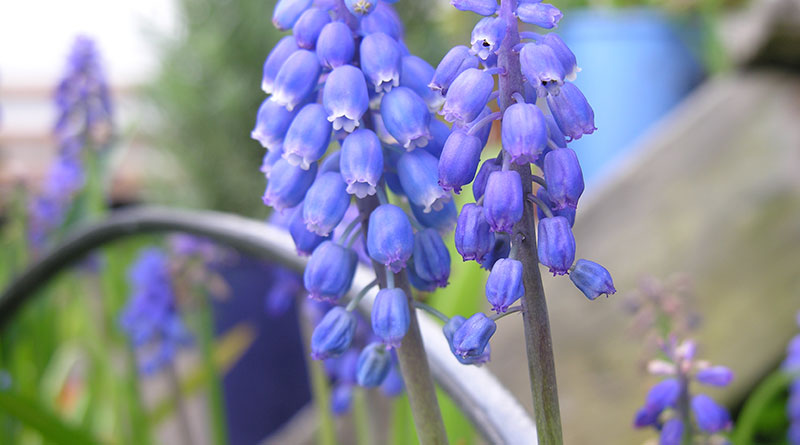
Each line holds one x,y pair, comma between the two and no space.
326,203
308,27
431,257
473,238
334,334
329,272
556,244
459,160
282,50
503,202
335,45
390,316
374,364
504,286
390,238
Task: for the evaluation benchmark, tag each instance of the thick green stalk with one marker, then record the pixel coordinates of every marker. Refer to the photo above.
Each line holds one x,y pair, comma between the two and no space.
538,342
411,355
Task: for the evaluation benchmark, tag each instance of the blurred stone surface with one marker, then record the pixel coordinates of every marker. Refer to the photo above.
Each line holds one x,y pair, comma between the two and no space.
715,193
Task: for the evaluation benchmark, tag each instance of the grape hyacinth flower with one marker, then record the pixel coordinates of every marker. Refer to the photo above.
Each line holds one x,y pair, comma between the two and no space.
83,128
670,406
151,318
359,85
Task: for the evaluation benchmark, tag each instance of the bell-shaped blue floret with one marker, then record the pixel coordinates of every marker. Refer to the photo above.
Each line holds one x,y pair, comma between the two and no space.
543,15
564,54
564,177
449,329
345,97
592,279
418,172
287,12
381,61
329,271
305,241
711,417
467,96
503,201
554,133
335,45
501,249
418,283
288,184
471,338
309,26
390,316
442,220
459,160
361,163
482,7
487,35
417,74
341,399
334,334
473,237
455,62
431,257
487,168
383,19
572,112
406,117
296,79
504,286
360,8
542,68
390,238
374,365
671,432
326,203
308,136
269,160
439,134
524,133
556,244
282,50
272,122
566,212
713,375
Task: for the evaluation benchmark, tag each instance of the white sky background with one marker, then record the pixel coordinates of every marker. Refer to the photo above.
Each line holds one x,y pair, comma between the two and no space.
36,35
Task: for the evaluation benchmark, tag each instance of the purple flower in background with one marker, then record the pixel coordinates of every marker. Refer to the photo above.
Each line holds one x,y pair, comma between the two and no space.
151,318
84,120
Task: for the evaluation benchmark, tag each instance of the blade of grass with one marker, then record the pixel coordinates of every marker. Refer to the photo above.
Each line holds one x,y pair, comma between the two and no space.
43,421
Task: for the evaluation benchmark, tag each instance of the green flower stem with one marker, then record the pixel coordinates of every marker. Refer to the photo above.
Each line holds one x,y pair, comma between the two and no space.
413,360
538,342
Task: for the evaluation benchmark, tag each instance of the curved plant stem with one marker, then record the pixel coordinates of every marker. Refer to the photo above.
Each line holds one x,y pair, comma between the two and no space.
411,355
538,342
764,394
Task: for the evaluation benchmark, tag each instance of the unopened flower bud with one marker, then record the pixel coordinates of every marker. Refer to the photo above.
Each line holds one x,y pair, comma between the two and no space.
275,60
504,286
711,417
431,257
503,202
308,27
449,330
455,62
592,279
418,172
473,237
334,334
482,7
329,272
406,117
326,203
471,338
390,237
467,96
381,61
572,112
459,160
556,244
335,45
288,184
543,15
390,316
361,162
374,364
524,133
287,12
564,177
307,137
487,35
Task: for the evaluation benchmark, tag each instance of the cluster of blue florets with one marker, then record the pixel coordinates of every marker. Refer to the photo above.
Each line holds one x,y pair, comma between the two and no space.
792,365
83,120
345,76
151,319
670,403
464,80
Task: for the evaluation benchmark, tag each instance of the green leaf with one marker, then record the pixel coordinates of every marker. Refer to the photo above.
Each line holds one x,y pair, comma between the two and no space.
43,421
